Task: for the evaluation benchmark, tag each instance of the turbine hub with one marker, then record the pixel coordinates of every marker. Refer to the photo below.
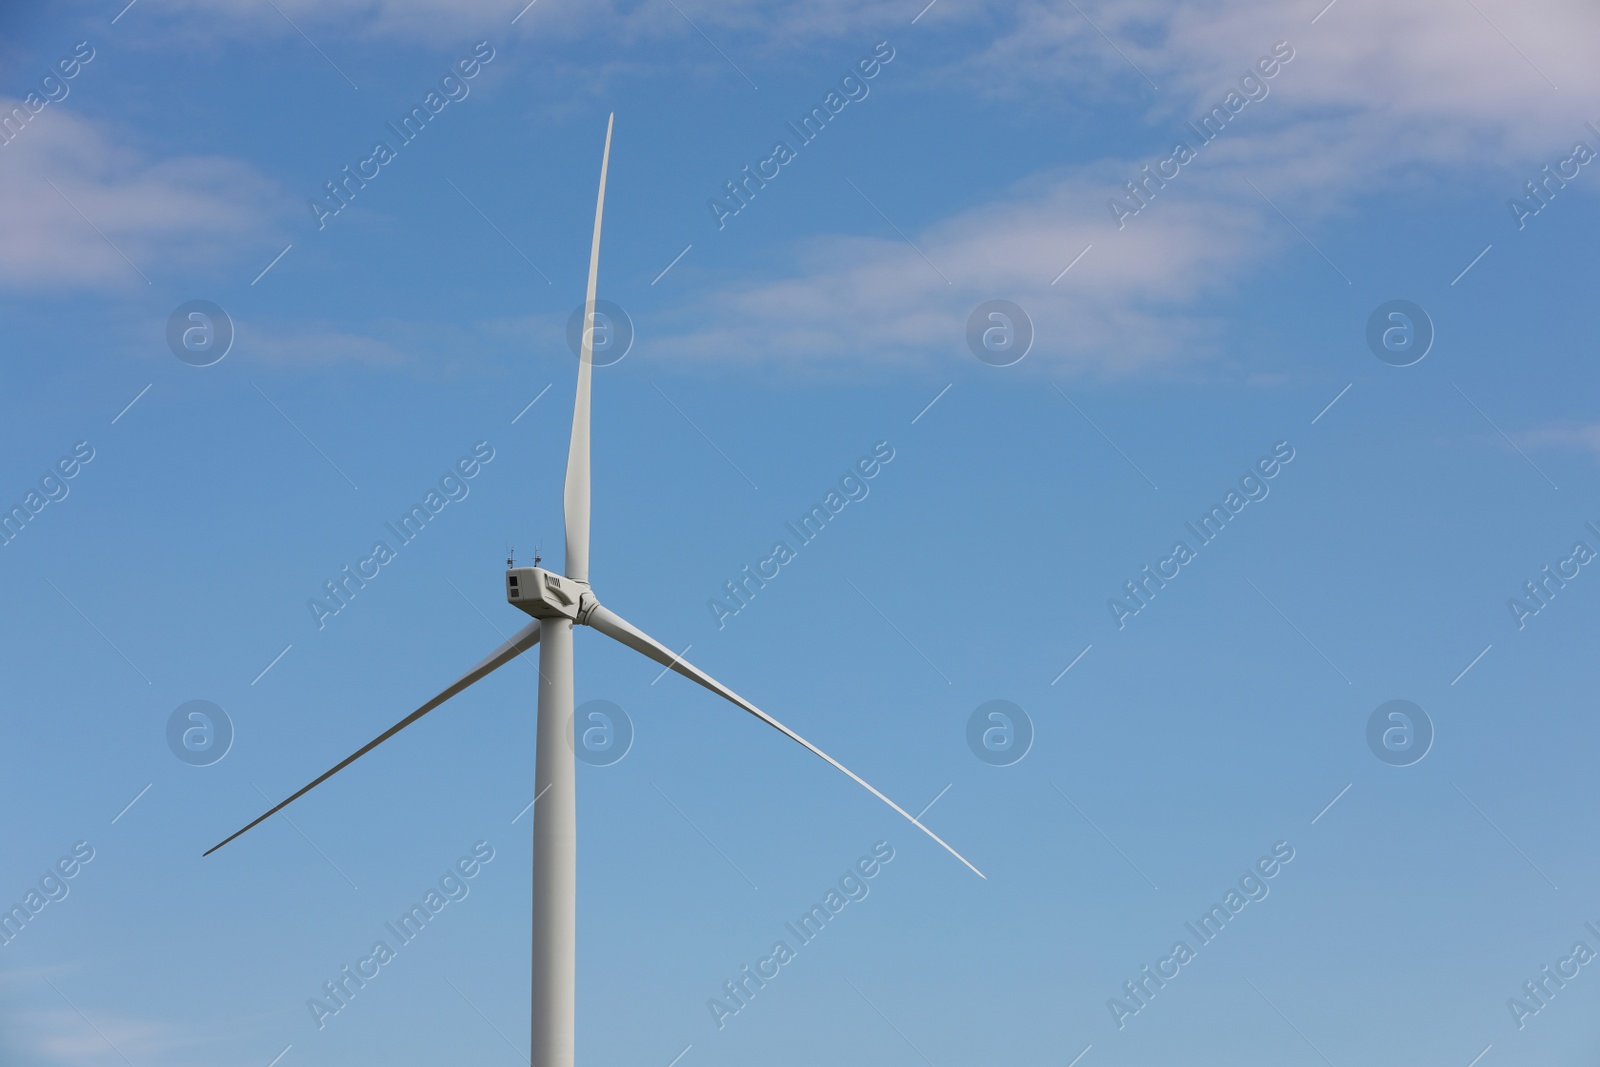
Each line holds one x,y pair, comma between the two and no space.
547,595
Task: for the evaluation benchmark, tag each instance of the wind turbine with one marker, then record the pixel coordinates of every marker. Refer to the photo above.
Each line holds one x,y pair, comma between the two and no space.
558,603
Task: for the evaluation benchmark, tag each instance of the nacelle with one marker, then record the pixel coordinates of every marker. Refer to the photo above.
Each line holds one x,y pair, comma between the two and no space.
544,594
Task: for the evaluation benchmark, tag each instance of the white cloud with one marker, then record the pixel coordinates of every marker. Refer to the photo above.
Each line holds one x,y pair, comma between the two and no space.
1137,301
77,201
1416,57
38,1029
314,347
1392,86
430,21
1572,436
1377,98
61,1036
419,346
853,298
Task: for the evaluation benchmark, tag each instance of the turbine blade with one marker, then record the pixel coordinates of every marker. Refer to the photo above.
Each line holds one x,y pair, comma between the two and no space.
519,643
619,629
575,495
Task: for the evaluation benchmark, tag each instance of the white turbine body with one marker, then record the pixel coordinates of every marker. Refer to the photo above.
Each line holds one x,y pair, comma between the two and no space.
557,604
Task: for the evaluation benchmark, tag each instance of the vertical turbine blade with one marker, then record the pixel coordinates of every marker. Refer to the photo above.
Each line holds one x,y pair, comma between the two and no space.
575,497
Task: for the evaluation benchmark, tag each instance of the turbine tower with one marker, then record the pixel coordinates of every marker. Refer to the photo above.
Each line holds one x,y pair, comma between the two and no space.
558,603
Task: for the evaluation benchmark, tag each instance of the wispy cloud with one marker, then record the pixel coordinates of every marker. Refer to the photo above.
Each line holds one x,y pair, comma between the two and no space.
310,346
428,347
83,209
1377,99
848,299
39,1029
1405,62
1567,436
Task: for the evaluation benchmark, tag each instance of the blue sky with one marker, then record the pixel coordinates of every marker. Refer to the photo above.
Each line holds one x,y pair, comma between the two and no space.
1227,317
